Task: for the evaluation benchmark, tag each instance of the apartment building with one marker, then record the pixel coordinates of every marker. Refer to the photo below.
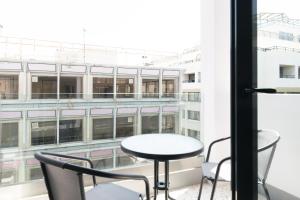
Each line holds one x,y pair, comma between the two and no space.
278,52
80,109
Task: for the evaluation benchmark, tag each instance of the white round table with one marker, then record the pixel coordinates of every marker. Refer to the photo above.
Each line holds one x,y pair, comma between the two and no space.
162,148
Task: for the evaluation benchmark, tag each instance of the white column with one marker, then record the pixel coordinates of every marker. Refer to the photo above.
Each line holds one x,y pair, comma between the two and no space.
215,45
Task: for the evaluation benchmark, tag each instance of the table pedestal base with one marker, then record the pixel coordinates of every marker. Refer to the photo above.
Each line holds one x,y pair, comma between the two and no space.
161,185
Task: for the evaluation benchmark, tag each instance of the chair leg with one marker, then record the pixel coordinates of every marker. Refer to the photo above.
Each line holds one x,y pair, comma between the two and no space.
213,189
201,186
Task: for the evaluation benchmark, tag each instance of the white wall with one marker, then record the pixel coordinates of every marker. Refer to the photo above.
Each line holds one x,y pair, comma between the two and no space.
215,58
281,112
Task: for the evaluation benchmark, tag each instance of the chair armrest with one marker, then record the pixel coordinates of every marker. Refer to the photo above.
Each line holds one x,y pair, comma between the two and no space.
211,145
74,158
94,172
219,166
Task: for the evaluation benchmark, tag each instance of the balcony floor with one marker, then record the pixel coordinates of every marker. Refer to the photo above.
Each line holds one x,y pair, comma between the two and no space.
186,193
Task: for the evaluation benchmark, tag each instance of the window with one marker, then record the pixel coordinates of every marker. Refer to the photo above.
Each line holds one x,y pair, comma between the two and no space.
71,87
70,130
125,87
150,88
194,115
125,126
287,71
43,133
168,123
9,134
168,88
103,163
103,87
9,87
286,36
193,133
44,87
298,72
150,124
194,96
102,128
199,77
191,78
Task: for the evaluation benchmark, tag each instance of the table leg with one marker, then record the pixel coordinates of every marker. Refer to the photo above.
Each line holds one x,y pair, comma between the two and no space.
161,185
167,181
156,178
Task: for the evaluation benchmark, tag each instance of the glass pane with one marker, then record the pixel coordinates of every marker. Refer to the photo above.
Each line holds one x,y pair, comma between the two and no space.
44,87
43,133
9,87
125,126
8,176
194,115
103,87
168,88
125,87
193,133
168,123
9,134
103,128
150,88
71,88
34,173
70,130
278,64
103,163
122,161
150,124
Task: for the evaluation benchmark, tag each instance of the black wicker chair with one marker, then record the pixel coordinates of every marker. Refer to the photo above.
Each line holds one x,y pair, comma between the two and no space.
64,181
267,141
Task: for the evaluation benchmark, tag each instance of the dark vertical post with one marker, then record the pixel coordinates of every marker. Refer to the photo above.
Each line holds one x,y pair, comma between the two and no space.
243,106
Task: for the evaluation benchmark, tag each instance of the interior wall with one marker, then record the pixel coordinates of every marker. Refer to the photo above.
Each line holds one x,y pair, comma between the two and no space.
215,58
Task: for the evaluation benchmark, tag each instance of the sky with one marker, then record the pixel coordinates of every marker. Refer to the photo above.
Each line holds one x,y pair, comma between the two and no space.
289,7
165,25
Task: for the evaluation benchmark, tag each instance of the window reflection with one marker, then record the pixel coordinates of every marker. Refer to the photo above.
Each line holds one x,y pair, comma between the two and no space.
102,128
125,87
103,87
70,130
44,87
9,134
150,88
150,124
168,123
43,133
125,126
71,88
168,88
9,86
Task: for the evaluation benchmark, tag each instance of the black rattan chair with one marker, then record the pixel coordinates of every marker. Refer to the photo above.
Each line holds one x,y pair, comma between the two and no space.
267,141
64,181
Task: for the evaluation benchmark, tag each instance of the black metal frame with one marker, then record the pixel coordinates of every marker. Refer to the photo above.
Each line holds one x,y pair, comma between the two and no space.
44,159
158,185
243,105
258,180
217,171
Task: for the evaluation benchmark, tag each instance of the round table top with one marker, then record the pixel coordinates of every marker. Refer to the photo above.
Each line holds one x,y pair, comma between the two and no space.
162,146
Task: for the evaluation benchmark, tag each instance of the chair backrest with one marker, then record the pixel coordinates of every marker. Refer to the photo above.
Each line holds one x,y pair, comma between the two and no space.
62,183
267,141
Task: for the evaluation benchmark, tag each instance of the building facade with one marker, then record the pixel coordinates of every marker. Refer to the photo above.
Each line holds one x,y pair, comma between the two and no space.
80,109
